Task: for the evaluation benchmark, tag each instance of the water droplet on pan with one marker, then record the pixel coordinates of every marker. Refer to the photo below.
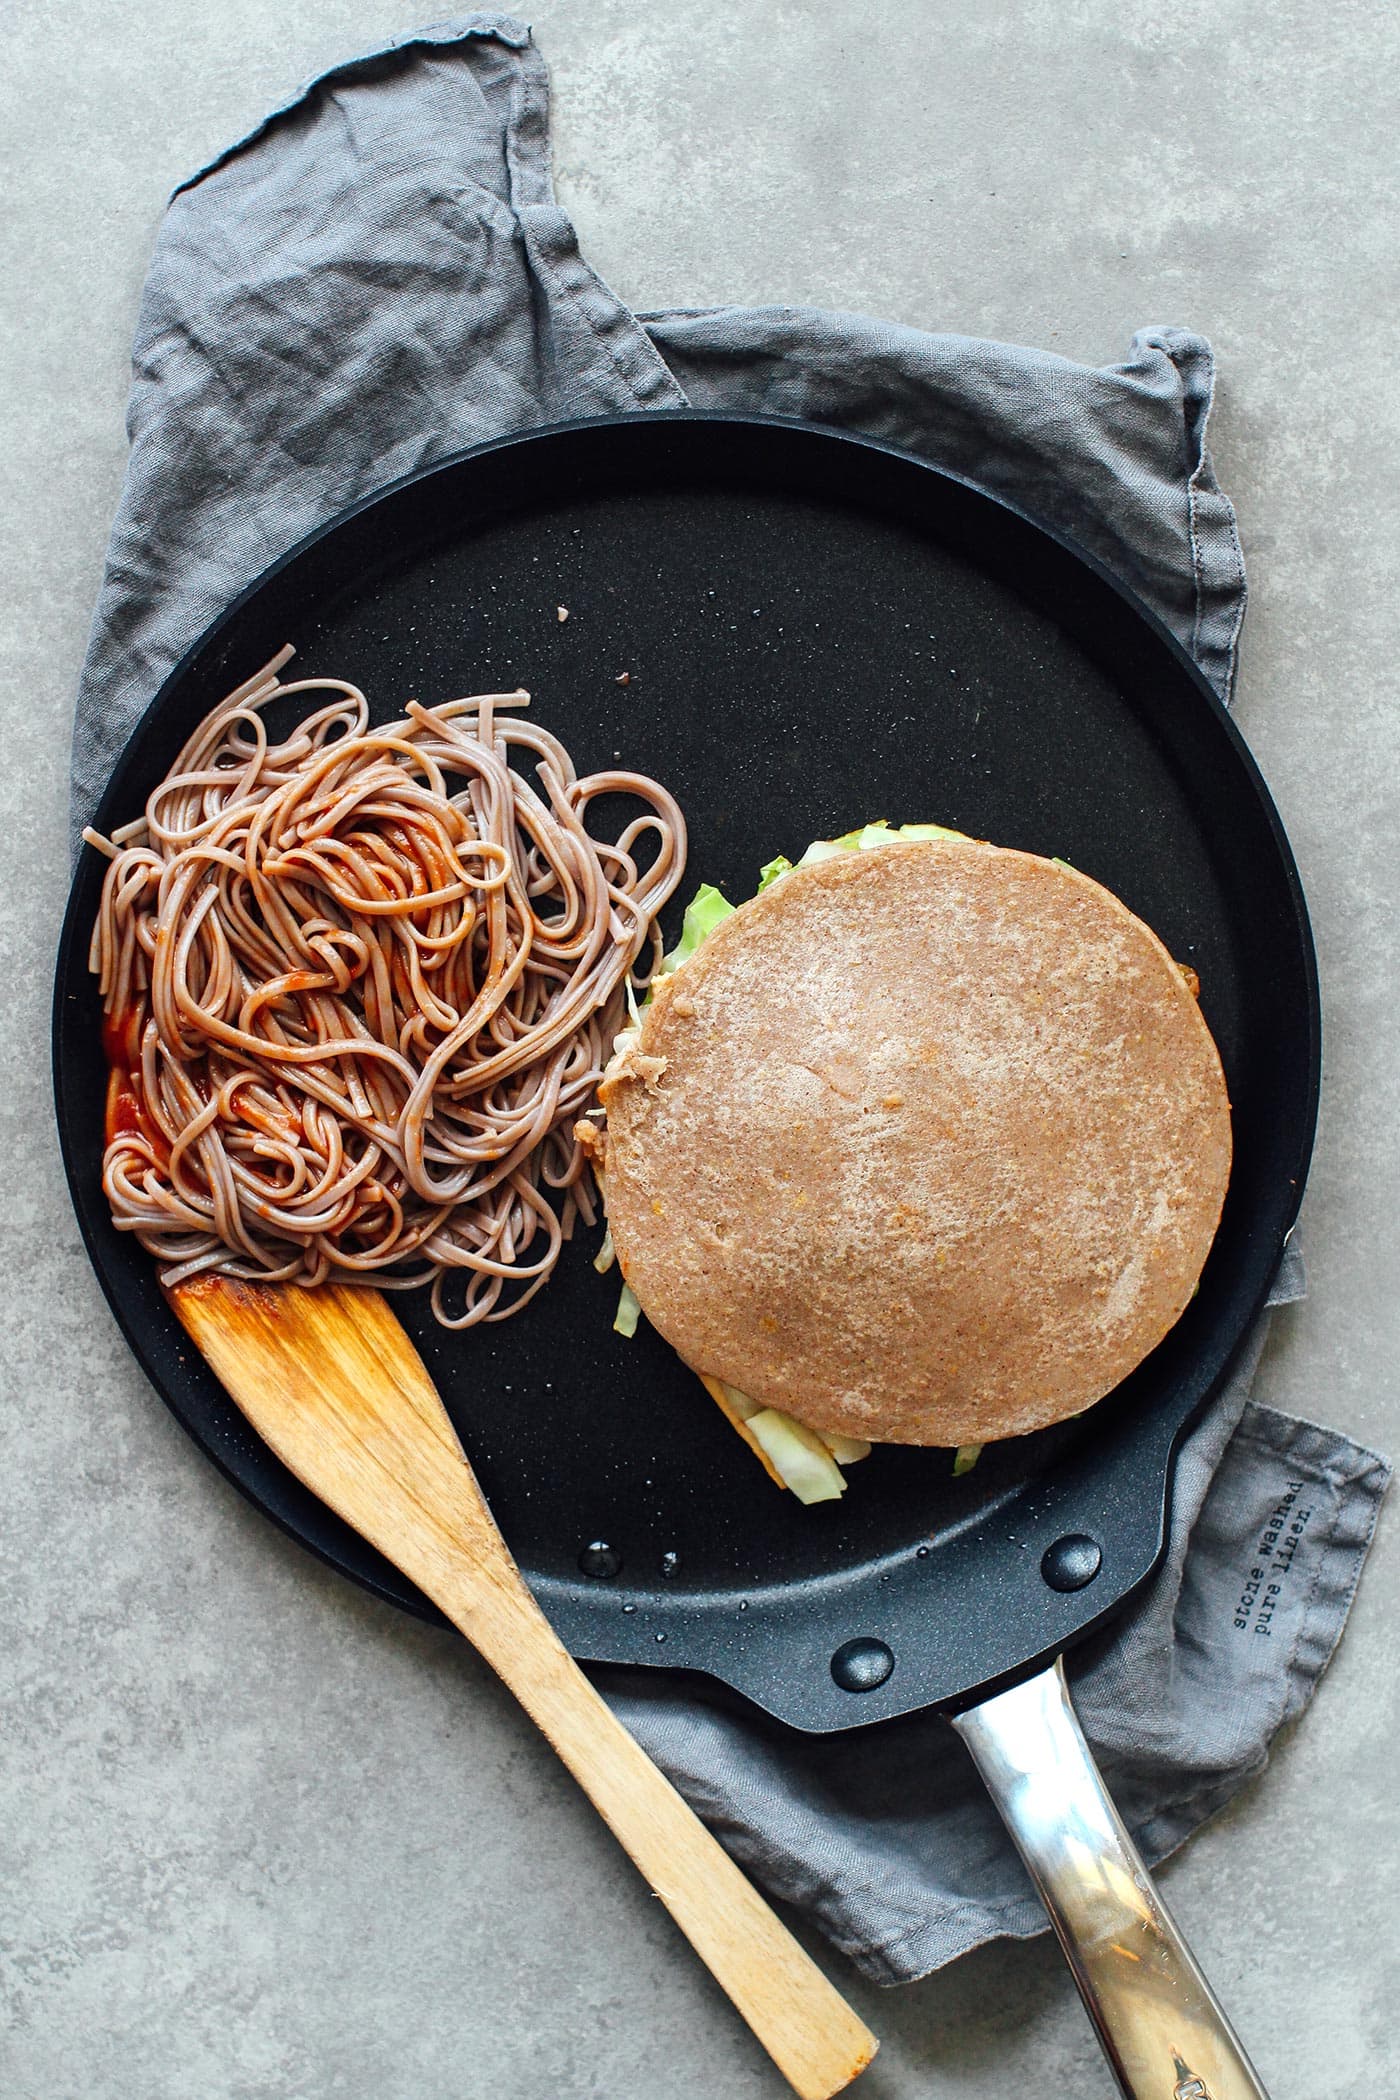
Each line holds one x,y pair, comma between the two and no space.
600,1560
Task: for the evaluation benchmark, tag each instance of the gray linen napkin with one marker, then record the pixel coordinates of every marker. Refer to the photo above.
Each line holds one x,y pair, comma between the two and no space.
379,276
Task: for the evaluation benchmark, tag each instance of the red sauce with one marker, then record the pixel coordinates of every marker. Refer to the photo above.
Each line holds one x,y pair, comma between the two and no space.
121,1037
127,1113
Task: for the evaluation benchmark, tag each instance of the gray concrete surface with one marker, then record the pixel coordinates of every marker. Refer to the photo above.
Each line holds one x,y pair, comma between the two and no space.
262,1839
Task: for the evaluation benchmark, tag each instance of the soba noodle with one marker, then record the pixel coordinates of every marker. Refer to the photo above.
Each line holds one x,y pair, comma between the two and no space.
360,984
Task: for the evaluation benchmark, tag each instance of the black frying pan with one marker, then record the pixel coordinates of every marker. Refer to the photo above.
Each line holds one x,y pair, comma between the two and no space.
818,630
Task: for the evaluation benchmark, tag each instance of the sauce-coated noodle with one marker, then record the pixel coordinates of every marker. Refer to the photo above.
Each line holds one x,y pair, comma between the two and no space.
359,986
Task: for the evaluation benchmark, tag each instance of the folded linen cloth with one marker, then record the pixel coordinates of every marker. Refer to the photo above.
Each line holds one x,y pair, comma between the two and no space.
378,277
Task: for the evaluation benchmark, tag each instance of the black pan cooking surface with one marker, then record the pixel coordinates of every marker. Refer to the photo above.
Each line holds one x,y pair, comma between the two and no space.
817,631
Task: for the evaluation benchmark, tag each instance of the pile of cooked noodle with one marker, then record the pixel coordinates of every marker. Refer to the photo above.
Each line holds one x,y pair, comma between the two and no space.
359,985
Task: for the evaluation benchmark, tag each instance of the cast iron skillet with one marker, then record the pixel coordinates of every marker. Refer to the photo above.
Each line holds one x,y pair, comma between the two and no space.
817,630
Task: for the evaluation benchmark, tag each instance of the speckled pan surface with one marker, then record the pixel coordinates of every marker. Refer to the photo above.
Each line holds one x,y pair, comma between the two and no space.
816,631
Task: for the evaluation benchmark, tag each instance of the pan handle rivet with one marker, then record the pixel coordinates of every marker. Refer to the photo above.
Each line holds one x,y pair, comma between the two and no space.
860,1665
1071,1562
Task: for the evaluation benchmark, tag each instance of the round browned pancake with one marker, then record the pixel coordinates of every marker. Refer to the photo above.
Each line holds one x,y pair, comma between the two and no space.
927,1144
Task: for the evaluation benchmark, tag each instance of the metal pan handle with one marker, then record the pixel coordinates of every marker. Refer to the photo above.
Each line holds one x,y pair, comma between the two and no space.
1164,2034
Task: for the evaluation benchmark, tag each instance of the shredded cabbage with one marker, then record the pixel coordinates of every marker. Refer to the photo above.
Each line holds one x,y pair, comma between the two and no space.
707,909
775,1446
606,1255
770,871
827,849
931,831
629,1311
879,833
799,1455
846,1450
966,1459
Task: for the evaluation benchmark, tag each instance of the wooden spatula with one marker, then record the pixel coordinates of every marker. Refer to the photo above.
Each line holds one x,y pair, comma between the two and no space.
331,1381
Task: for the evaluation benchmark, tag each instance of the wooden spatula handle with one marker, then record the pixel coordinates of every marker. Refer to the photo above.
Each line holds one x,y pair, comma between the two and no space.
812,2035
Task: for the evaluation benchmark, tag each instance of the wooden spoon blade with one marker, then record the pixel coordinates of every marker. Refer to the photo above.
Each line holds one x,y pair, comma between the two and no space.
330,1380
